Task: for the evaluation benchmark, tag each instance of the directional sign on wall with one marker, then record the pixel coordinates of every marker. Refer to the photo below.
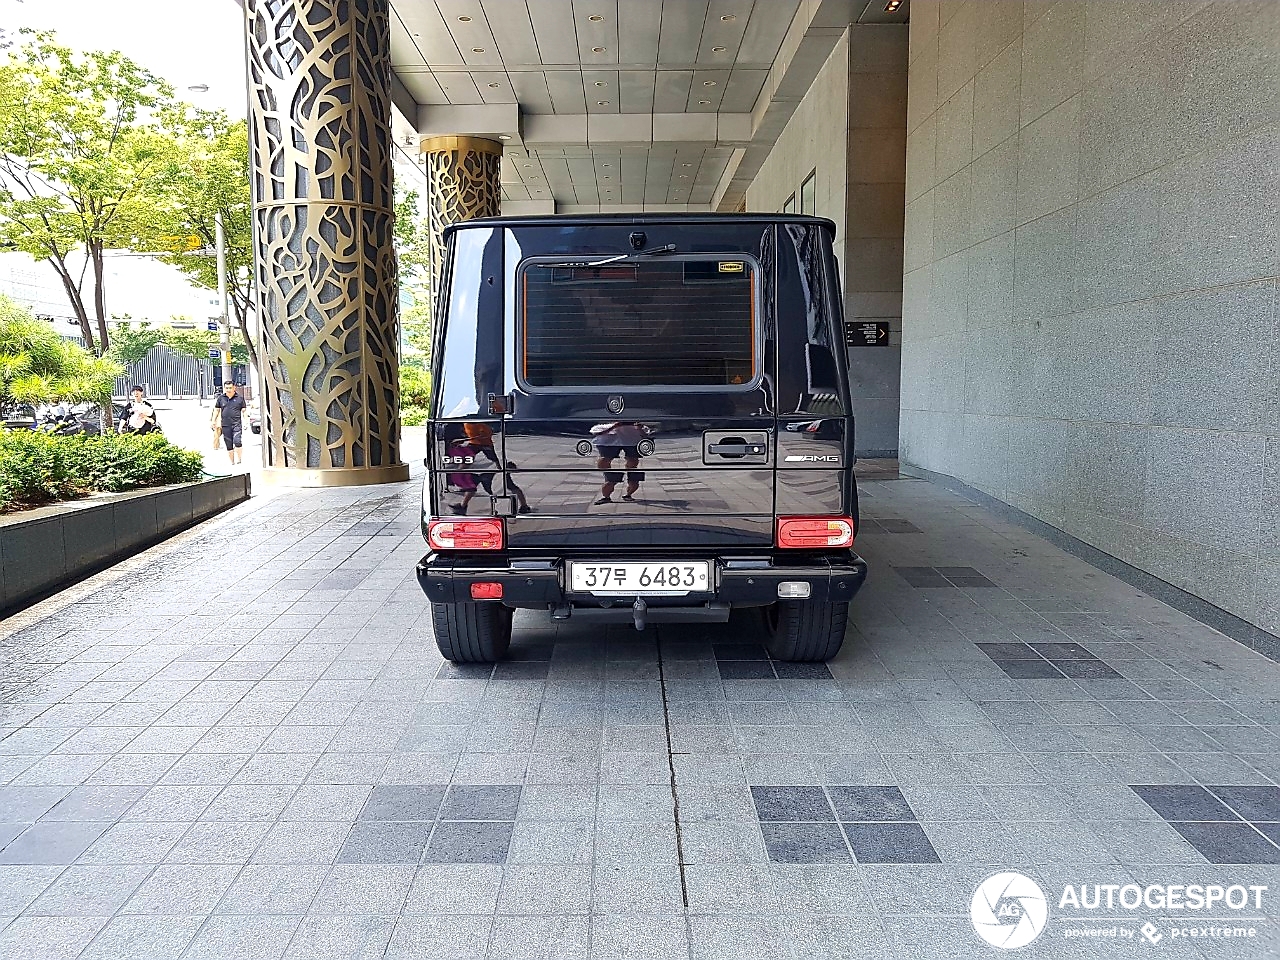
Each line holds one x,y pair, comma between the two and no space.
866,333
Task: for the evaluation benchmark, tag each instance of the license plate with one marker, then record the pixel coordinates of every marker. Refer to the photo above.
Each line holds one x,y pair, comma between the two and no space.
651,578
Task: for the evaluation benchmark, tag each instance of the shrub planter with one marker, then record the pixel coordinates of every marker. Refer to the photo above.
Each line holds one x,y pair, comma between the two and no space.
44,549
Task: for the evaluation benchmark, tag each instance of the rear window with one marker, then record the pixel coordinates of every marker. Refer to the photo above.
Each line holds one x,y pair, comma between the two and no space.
674,322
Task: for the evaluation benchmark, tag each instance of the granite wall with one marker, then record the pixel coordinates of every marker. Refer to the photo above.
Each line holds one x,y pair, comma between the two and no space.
1090,269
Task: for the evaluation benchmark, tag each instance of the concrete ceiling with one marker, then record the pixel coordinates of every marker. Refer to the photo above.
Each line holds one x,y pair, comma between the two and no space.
617,103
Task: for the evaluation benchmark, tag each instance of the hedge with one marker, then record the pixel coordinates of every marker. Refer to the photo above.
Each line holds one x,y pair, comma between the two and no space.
38,468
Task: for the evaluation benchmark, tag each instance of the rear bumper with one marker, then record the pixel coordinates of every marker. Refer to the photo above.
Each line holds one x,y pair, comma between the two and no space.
538,583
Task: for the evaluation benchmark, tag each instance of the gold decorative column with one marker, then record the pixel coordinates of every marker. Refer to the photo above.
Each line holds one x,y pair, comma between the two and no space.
319,125
464,181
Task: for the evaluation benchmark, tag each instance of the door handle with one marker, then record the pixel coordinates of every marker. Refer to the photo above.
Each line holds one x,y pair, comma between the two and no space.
734,450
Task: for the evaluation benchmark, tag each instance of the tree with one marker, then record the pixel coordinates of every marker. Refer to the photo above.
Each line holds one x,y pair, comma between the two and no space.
88,157
217,181
198,343
38,366
414,257
130,344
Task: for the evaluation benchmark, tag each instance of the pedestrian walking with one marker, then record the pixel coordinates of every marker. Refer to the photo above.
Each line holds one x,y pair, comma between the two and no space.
228,409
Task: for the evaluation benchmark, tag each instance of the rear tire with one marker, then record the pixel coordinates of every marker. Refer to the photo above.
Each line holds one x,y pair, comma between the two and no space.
804,631
472,632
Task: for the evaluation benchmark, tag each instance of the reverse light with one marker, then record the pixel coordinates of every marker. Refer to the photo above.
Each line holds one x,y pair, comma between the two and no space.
793,590
814,533
481,534
486,590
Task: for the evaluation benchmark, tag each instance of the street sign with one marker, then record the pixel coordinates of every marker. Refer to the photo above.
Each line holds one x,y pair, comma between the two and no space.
866,333
215,353
213,326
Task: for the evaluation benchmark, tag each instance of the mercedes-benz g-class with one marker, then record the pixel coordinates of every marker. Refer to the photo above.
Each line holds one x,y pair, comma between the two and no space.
640,418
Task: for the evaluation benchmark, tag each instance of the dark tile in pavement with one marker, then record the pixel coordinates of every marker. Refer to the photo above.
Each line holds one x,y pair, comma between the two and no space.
801,671
739,651
384,842
870,803
969,583
805,843
1029,669
1062,651
922,576
95,803
522,651
1008,651
522,670
890,525
792,803
745,669
1087,670
952,572
1229,842
485,802
1270,830
1251,802
464,671
52,843
890,843
1183,802
469,843
401,802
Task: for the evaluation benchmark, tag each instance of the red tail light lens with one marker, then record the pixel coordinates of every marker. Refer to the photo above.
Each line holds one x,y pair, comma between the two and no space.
486,590
814,533
484,534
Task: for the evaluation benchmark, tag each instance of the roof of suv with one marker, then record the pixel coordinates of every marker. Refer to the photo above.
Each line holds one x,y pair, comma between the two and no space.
639,219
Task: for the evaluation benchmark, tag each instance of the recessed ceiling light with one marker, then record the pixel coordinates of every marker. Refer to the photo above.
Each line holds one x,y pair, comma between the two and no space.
595,18
708,83
684,176
602,83
686,164
892,5
607,178
717,49
705,103
597,49
477,49
602,103
465,19
495,84
608,164
528,166
728,18
417,36
504,136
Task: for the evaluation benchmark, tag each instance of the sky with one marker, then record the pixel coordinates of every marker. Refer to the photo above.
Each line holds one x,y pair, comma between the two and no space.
188,42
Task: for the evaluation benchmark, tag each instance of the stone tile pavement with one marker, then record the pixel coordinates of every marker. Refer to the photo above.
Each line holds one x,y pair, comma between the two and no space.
244,744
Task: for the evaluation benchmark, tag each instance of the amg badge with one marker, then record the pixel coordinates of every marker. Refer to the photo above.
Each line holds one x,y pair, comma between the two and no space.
812,458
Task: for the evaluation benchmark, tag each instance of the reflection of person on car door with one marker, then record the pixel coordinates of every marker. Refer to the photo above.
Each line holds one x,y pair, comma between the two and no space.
615,440
479,440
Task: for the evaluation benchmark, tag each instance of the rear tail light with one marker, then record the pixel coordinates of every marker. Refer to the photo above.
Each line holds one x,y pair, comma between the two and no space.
482,534
814,533
486,590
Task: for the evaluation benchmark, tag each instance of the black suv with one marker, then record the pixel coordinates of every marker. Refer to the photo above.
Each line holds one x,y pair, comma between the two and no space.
641,419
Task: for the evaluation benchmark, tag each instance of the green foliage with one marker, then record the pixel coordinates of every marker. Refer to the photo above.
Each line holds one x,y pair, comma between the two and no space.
37,467
216,181
38,366
91,148
130,344
411,238
196,343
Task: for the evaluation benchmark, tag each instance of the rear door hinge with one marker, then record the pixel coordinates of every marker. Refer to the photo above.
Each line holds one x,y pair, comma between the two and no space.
502,406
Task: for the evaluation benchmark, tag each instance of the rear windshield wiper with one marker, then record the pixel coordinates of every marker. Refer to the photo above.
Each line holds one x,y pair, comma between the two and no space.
665,248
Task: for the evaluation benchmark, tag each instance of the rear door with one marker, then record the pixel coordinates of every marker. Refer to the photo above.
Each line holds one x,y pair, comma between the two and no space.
642,413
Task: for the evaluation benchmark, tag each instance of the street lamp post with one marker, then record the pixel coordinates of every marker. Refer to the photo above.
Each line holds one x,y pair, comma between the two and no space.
224,321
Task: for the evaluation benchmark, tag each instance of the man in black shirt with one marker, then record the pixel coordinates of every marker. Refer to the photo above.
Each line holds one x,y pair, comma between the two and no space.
230,406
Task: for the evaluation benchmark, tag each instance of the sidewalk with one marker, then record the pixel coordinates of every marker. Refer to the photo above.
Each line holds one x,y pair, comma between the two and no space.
244,744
